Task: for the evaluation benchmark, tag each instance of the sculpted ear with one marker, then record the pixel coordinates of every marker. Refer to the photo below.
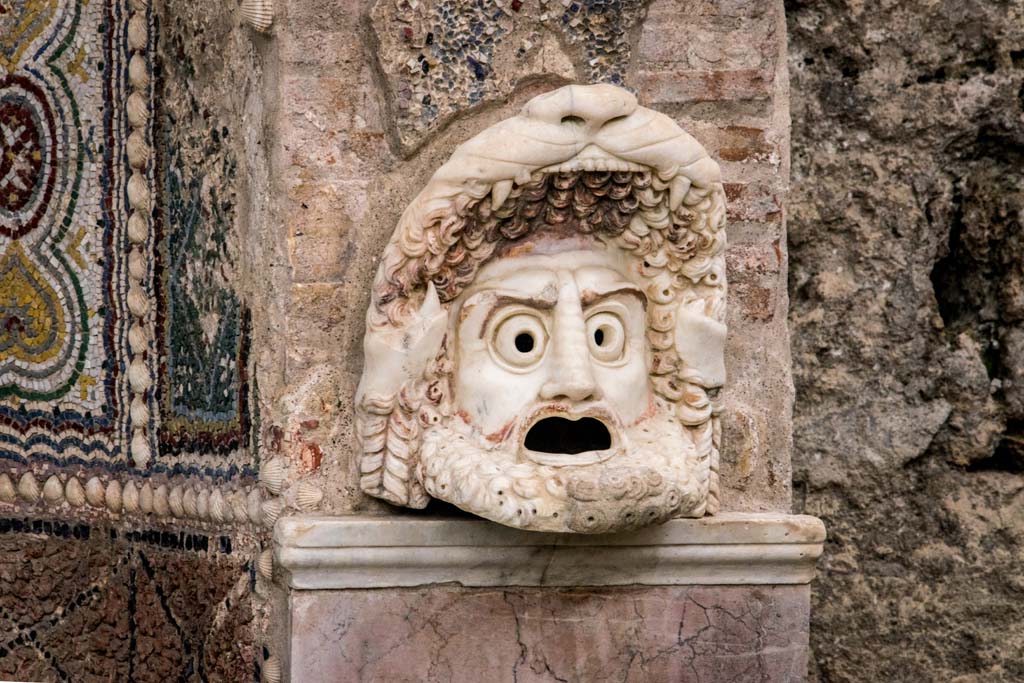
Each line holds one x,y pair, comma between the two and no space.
394,356
700,343
386,403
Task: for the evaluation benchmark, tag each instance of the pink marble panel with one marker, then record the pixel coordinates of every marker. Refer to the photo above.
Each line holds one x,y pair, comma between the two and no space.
695,634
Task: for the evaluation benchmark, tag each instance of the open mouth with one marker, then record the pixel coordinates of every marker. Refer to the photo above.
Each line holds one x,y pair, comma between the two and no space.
559,440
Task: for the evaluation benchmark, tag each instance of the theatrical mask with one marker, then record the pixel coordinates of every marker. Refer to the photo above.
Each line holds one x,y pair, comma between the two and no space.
545,339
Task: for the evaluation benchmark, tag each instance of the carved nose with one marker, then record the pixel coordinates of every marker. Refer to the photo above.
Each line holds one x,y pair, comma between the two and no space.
572,381
571,375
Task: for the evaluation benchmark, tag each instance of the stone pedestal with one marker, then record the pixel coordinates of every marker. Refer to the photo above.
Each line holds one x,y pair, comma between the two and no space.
722,598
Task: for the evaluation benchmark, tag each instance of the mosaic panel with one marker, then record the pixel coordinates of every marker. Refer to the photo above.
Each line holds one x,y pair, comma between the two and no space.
123,343
202,324
63,389
140,605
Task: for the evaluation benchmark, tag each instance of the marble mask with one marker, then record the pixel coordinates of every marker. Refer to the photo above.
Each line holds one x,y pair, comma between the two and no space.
545,341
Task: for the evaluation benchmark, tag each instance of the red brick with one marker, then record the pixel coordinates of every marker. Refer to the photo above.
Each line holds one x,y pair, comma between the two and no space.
752,202
739,143
755,302
680,85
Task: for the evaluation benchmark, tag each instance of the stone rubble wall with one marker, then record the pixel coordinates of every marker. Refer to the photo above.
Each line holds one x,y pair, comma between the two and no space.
907,315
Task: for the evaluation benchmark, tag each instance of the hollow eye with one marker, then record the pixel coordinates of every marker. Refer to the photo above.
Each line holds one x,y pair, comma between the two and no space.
607,336
520,340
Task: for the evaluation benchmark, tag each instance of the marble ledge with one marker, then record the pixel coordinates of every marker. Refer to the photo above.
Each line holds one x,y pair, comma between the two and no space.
325,553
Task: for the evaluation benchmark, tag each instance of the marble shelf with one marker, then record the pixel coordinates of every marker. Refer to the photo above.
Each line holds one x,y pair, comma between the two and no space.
328,553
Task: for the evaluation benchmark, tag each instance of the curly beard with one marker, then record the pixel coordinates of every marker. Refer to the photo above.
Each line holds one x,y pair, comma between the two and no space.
658,476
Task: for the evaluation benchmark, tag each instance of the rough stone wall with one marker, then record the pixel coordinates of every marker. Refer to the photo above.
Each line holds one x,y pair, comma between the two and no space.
130,520
373,99
907,319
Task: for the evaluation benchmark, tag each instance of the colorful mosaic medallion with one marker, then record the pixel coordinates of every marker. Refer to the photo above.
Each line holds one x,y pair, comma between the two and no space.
62,390
120,345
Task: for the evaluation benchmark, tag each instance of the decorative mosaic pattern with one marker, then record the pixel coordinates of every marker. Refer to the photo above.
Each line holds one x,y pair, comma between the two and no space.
63,391
123,344
145,605
203,326
123,354
442,56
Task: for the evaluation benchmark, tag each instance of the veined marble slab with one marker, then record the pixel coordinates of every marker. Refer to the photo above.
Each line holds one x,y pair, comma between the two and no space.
324,553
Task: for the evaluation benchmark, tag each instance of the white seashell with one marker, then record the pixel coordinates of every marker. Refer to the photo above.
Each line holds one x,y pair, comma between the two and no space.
140,449
130,497
7,491
258,13
271,670
113,494
161,501
188,502
203,504
308,496
138,150
138,233
53,490
139,411
220,511
174,502
74,492
138,192
94,492
137,338
138,304
138,268
138,110
254,506
28,488
138,375
146,499
271,511
265,564
272,475
138,32
138,72
238,510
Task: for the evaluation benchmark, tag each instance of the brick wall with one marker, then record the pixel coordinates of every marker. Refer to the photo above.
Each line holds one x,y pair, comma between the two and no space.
361,122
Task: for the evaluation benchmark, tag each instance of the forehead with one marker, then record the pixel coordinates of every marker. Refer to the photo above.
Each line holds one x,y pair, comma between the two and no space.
594,270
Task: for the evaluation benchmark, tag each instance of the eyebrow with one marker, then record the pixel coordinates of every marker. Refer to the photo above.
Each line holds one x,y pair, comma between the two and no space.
588,297
539,302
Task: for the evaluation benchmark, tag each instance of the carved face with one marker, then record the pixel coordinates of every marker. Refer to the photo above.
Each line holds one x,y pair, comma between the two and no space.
554,424
552,356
